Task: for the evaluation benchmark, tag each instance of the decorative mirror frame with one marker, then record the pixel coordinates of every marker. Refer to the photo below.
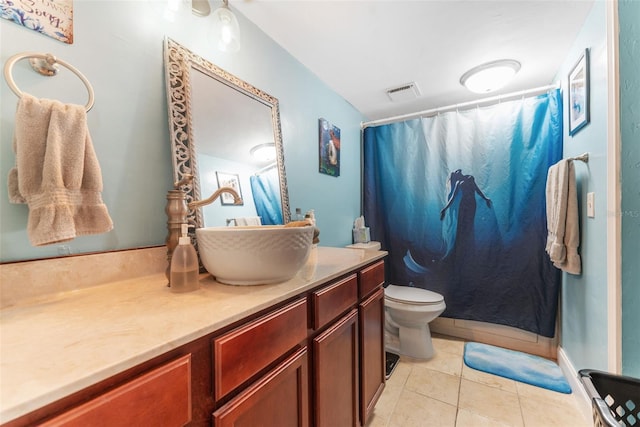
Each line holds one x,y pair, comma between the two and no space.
178,64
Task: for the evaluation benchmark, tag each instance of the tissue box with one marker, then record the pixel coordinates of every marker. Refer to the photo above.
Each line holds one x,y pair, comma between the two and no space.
361,235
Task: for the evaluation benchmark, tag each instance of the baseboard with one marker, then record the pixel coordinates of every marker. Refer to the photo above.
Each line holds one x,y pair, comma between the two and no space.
580,394
498,335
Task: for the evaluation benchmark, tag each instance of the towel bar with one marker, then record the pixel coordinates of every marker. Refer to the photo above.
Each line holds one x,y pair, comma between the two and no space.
45,65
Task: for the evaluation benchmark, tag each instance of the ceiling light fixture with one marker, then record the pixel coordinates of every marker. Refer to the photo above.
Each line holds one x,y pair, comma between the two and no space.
490,76
226,31
264,152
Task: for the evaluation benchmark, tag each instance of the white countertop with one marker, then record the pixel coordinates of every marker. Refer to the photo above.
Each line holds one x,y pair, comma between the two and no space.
54,348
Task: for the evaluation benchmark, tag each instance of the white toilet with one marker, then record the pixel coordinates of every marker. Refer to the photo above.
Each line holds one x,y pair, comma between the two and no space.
408,312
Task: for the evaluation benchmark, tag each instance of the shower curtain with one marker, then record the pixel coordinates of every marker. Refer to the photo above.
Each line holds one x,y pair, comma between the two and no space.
458,200
265,188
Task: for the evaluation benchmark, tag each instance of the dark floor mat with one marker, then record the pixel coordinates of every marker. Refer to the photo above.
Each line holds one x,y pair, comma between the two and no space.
392,361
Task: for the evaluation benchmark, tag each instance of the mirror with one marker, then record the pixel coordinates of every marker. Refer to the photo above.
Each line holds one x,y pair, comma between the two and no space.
216,123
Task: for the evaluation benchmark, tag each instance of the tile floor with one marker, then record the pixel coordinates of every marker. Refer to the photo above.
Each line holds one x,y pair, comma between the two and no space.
444,391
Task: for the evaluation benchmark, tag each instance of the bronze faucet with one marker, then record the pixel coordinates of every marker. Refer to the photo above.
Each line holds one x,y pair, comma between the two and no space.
177,209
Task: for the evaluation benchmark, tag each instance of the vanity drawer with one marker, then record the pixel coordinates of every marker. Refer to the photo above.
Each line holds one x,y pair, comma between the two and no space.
161,397
371,278
240,354
333,300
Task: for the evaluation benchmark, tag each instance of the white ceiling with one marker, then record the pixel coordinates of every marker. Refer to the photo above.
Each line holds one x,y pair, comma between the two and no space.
362,48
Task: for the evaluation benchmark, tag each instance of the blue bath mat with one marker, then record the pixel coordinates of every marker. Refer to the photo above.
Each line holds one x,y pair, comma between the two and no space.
515,365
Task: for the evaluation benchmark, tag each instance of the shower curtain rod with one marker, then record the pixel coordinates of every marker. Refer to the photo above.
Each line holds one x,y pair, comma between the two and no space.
434,111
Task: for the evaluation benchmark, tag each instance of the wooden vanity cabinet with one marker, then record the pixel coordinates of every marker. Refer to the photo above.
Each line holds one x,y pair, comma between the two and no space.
371,328
345,355
316,359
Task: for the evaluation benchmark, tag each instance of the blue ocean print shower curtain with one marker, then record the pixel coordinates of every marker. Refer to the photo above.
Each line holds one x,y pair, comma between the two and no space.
458,200
265,188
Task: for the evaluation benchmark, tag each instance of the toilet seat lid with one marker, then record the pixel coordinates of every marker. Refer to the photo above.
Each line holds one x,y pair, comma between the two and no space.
411,295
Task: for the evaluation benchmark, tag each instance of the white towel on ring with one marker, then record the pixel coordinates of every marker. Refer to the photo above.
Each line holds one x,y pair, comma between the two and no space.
57,172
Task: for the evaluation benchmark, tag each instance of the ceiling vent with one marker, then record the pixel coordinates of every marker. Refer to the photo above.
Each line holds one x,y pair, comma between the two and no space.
406,92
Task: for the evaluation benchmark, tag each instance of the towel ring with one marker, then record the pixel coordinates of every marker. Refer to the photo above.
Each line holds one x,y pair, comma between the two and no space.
44,64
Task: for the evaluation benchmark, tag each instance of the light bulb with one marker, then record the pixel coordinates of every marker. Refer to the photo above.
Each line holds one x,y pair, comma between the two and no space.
225,29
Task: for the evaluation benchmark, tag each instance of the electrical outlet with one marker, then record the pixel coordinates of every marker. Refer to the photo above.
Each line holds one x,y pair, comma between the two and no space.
591,209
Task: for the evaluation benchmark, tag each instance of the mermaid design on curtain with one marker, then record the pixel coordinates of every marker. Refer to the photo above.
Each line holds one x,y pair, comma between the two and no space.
458,200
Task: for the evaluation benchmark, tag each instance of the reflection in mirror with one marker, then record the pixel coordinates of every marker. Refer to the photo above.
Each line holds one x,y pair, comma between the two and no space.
225,132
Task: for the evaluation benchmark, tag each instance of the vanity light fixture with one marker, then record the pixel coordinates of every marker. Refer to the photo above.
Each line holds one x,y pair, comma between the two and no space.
226,31
264,152
200,7
490,76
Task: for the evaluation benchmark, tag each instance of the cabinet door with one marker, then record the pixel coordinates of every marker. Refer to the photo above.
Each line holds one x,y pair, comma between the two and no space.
280,398
335,374
161,397
372,363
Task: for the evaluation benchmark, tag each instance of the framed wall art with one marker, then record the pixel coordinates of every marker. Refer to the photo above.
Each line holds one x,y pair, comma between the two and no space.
579,94
329,148
229,180
53,18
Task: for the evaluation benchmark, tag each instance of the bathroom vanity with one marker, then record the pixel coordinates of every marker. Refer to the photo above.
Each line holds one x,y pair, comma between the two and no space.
305,352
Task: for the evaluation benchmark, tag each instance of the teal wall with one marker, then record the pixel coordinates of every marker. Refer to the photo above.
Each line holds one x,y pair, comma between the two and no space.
584,314
629,19
584,297
118,46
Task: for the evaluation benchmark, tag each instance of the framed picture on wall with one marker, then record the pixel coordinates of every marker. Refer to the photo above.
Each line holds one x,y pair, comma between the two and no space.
229,180
53,18
578,88
329,148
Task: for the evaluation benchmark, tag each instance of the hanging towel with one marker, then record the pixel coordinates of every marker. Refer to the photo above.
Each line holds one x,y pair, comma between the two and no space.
57,172
250,220
563,236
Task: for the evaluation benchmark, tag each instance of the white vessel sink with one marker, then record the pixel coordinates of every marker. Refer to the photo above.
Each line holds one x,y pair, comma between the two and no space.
254,255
